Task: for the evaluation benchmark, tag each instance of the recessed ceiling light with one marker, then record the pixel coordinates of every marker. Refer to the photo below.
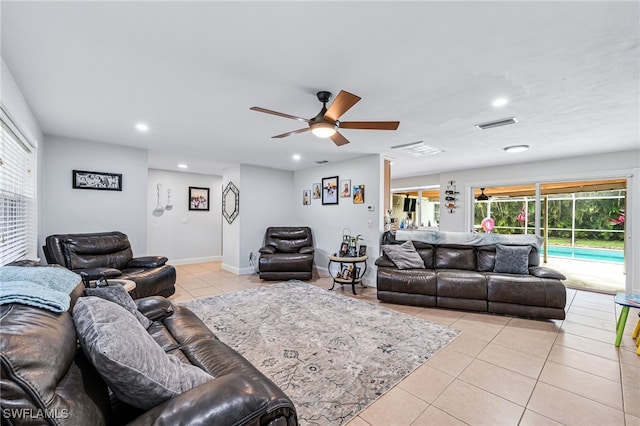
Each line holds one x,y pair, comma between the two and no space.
183,166
142,127
500,102
296,157
516,148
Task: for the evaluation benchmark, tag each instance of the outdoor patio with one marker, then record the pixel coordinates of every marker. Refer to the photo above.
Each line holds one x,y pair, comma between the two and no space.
605,277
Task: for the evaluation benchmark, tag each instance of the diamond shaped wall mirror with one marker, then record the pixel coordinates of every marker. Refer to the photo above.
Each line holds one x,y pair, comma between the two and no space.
230,202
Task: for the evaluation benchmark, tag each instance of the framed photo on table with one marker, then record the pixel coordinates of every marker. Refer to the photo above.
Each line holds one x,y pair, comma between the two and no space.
330,190
362,251
344,247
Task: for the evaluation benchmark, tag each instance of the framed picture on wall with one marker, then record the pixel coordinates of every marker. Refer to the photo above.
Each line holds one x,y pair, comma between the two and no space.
358,194
316,191
345,188
198,198
330,190
306,197
83,179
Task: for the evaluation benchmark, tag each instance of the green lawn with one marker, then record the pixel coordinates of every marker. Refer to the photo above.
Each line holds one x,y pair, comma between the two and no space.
617,245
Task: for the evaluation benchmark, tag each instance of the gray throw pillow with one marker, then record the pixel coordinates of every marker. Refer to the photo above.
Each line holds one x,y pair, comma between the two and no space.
134,366
404,256
117,294
512,259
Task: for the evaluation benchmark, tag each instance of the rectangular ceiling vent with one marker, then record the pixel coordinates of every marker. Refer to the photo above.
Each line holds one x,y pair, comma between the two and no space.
497,123
417,148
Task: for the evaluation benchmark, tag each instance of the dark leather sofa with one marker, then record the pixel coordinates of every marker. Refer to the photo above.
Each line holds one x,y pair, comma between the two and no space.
110,253
461,277
47,380
287,253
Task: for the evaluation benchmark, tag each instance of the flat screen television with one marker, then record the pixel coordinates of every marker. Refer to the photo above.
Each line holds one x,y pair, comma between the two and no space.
409,205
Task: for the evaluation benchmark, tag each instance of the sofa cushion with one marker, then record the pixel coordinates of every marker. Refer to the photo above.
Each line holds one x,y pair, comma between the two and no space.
134,366
512,259
455,257
117,294
404,256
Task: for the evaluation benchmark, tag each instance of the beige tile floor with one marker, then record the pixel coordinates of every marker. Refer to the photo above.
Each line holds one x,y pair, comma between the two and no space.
500,370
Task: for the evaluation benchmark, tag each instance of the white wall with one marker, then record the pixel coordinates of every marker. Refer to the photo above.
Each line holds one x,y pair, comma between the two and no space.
231,231
183,235
328,221
68,210
267,199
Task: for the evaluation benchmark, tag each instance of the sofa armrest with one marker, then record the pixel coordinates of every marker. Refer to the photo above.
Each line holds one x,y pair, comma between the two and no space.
544,272
96,273
306,250
147,262
154,307
226,400
268,250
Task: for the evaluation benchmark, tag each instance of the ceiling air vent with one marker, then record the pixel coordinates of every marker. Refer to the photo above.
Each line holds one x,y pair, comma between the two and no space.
497,123
322,161
417,148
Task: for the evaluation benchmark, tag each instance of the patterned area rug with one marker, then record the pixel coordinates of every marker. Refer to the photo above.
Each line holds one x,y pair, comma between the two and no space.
331,354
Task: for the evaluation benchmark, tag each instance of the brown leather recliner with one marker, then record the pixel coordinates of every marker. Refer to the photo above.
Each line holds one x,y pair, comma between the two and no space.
287,253
46,379
110,253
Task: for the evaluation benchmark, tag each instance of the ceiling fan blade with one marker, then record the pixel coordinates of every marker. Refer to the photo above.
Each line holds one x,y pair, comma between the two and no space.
341,104
284,135
279,114
370,125
338,139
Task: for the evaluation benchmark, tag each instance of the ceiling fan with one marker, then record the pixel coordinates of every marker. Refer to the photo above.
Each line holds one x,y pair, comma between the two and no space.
326,123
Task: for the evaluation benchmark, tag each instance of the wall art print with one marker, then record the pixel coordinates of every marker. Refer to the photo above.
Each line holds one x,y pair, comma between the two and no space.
306,197
358,194
345,188
83,179
198,198
316,191
330,190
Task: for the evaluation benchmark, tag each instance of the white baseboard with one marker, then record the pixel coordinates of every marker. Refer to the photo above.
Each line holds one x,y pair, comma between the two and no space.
194,260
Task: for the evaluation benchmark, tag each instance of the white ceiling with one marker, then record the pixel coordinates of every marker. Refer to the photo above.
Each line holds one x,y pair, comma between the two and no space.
191,70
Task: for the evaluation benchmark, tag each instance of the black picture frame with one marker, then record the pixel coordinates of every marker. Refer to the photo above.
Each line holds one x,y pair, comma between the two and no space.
330,190
362,251
198,198
344,247
102,181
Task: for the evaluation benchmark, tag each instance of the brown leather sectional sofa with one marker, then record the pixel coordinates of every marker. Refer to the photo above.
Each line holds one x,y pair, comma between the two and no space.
47,379
110,253
461,276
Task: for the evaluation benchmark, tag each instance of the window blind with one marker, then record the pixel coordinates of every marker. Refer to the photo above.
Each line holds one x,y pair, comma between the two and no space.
17,195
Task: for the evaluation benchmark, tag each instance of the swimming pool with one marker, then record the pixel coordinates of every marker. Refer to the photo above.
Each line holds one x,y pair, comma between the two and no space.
582,253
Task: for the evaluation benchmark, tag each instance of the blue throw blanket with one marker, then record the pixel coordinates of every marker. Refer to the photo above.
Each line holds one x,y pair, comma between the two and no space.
43,287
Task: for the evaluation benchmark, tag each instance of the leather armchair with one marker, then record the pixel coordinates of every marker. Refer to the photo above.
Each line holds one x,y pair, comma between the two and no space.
110,253
287,254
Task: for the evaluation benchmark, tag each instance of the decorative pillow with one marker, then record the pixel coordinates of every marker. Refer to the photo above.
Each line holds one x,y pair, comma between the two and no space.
512,259
117,294
404,256
134,366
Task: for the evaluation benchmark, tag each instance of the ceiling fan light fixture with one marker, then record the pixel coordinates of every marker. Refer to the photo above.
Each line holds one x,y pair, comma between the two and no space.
323,129
482,196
